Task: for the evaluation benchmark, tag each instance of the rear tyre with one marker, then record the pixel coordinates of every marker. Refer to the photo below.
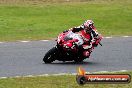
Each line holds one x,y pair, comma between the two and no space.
50,55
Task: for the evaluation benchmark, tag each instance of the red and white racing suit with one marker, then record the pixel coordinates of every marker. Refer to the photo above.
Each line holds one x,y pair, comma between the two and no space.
87,40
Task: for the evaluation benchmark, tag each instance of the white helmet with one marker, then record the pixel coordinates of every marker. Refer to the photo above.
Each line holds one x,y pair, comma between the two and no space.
88,24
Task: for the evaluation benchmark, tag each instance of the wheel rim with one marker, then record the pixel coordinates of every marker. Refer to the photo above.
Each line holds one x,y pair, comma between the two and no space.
49,57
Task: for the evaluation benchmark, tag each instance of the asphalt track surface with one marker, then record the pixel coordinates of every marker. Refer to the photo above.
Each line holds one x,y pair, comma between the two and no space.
21,59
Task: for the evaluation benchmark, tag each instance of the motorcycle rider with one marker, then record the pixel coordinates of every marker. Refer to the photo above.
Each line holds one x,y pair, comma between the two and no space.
89,36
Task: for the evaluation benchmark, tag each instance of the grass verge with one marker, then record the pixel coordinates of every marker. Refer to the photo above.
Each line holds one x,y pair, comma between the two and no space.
27,21
64,81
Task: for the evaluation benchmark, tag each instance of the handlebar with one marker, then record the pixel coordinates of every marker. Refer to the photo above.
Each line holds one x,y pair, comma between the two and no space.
100,44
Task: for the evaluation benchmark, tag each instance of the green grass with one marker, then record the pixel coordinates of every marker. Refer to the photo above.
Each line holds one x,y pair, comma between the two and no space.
29,21
64,81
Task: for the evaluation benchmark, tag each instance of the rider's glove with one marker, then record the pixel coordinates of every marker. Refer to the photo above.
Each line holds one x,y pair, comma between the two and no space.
97,40
95,45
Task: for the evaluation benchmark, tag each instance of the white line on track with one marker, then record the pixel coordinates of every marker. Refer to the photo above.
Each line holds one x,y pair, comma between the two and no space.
1,42
107,37
60,74
101,72
123,70
126,36
29,76
44,40
3,77
24,41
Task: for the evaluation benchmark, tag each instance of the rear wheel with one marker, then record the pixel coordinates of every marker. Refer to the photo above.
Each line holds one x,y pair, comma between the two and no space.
50,55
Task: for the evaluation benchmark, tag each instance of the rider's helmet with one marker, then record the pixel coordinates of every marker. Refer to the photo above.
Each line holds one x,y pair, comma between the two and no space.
88,26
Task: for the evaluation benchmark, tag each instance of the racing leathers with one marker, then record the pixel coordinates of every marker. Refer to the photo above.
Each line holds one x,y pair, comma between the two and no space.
87,40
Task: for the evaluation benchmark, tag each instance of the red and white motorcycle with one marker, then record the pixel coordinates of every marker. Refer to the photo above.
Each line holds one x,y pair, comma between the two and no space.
66,49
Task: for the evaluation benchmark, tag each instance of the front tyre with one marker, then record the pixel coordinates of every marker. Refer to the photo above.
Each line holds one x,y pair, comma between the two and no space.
50,55
78,60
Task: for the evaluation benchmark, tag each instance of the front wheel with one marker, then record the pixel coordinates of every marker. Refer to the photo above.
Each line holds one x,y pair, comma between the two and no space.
77,60
50,55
